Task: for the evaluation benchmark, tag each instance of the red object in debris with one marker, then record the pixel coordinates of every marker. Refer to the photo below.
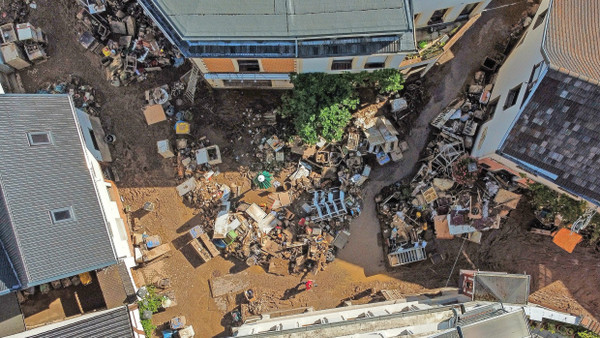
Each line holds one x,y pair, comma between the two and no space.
309,285
302,222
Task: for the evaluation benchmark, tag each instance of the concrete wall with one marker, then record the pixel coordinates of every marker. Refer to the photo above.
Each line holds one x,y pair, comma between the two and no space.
516,70
424,9
115,223
222,69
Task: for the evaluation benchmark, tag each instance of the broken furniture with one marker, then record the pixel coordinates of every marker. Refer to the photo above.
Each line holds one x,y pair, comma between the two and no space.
164,148
328,205
209,155
8,33
382,139
14,56
407,256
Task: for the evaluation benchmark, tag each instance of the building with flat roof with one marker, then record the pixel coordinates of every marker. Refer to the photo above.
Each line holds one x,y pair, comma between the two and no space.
448,315
259,43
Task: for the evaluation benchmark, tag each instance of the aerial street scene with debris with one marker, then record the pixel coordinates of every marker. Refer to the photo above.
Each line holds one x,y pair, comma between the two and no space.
299,168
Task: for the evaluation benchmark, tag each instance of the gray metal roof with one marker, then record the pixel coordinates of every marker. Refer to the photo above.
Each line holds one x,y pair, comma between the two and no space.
284,19
507,325
571,34
11,319
37,179
8,276
501,287
112,323
556,135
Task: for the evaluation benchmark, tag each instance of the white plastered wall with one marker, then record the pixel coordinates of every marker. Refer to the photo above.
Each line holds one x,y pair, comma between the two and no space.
516,70
423,9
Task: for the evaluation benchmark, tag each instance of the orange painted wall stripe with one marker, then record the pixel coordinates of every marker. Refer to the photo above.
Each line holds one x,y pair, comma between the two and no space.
278,65
219,65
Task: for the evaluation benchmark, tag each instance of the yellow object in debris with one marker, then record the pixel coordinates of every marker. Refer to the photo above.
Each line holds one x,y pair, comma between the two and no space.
86,278
106,51
182,128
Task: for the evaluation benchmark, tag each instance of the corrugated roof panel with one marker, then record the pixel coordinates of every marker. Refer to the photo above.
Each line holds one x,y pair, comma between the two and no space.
38,179
283,19
571,37
8,276
106,324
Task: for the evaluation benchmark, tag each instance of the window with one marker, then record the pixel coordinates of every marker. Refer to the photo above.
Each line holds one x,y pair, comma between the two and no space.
438,16
513,95
373,65
61,215
94,141
540,19
533,78
341,64
467,10
248,66
416,17
39,138
491,107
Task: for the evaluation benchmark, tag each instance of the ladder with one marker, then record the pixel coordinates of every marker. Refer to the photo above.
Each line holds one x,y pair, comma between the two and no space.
583,221
190,90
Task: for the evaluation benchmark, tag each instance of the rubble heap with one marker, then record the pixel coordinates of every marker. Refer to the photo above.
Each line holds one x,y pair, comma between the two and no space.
130,44
22,44
83,95
452,194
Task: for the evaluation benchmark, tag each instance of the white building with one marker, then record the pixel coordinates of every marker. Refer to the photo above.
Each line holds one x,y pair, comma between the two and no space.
59,216
259,43
545,105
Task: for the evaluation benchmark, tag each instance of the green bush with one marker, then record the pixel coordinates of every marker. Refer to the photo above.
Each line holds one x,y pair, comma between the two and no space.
321,105
568,208
587,334
151,302
148,327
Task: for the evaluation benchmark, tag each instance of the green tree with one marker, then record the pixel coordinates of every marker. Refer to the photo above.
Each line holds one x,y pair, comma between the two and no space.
321,105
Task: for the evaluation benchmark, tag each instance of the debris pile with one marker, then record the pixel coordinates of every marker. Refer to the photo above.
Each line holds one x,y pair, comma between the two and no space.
452,194
84,96
22,44
130,44
463,117
289,210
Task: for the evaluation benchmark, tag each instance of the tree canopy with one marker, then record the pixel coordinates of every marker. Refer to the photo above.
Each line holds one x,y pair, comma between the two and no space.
321,105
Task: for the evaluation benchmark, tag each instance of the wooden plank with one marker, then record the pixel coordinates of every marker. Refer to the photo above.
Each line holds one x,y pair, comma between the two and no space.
153,254
200,250
212,249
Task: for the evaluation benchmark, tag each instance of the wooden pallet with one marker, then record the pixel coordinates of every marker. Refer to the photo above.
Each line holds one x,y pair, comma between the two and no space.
212,249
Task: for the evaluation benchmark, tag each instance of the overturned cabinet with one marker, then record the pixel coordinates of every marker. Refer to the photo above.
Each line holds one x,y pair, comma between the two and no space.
13,56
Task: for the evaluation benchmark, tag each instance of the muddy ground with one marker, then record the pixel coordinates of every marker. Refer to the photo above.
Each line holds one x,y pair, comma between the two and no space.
145,176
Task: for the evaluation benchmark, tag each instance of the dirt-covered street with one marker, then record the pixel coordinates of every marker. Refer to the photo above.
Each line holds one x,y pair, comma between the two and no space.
144,176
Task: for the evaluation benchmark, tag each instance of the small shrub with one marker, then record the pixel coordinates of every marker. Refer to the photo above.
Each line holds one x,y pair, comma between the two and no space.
151,302
545,198
148,327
